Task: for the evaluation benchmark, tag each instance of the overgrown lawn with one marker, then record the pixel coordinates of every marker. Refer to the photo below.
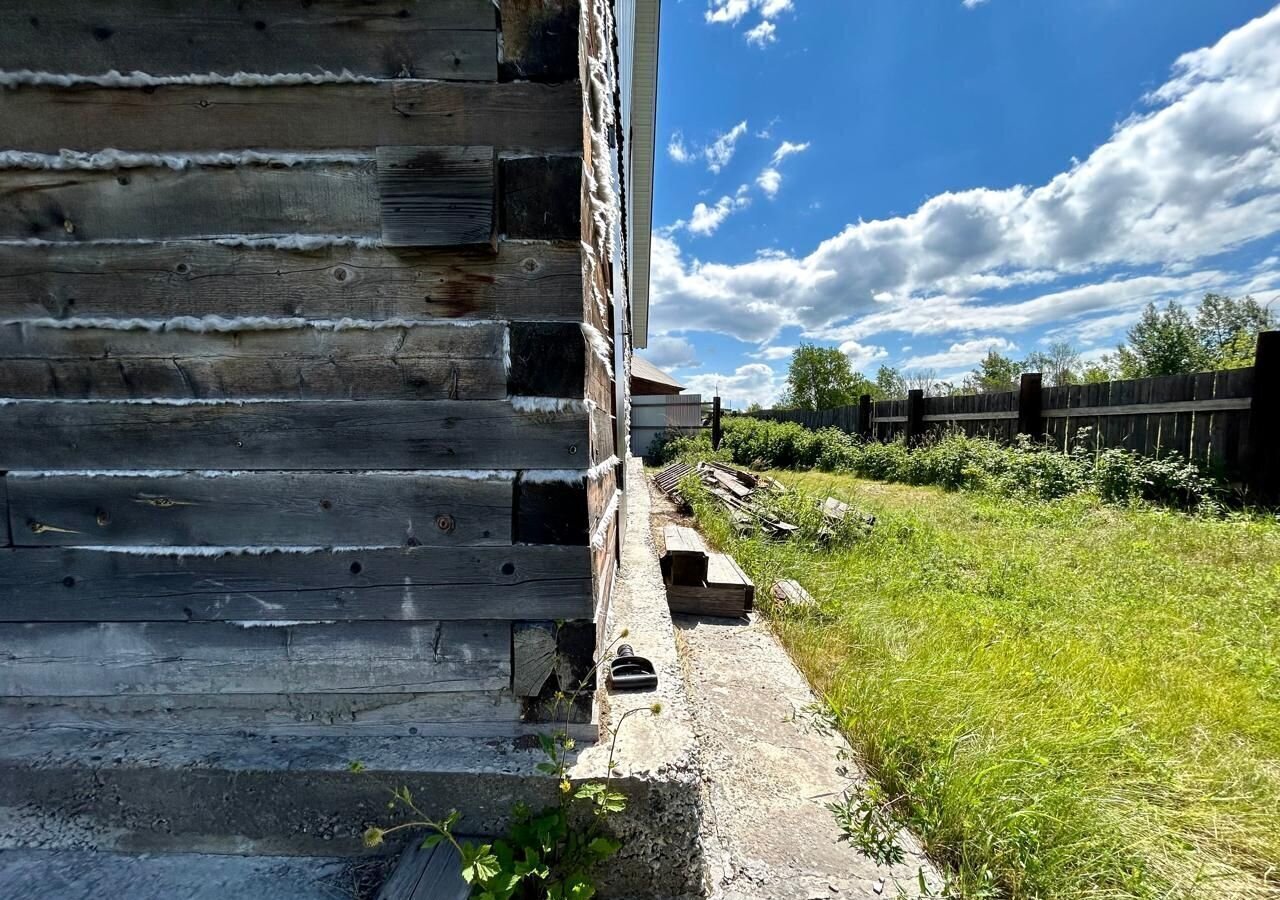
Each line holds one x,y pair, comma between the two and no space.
1066,699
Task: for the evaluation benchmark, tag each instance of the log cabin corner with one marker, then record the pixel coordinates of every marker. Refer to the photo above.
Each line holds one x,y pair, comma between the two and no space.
315,320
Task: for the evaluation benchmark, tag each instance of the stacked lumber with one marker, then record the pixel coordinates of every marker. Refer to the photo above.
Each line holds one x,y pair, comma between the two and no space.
735,489
700,582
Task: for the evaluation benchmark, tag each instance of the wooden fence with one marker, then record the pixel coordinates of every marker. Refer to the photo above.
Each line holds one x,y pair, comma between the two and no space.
1227,421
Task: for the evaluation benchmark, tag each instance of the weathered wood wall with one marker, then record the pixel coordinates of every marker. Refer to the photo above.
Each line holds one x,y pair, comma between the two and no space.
306,357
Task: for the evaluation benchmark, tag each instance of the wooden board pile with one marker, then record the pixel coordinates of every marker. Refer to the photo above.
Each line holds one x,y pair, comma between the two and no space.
736,489
700,582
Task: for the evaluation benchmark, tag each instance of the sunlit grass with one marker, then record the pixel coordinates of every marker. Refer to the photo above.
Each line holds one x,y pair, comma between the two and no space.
1069,699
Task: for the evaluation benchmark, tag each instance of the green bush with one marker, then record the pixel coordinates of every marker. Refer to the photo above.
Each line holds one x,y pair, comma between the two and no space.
957,462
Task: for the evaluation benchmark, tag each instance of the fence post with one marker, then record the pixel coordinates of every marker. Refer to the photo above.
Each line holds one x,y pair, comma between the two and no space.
1030,400
915,417
1261,456
715,423
864,417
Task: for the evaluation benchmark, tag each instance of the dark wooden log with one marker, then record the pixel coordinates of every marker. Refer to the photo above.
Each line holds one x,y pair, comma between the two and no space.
539,40
90,585
548,359
1263,452
523,117
454,39
523,281
540,197
419,362
304,435
1030,393
551,512
308,509
437,196
94,659
427,873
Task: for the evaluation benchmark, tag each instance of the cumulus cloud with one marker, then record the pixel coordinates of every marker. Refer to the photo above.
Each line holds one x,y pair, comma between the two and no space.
786,148
862,356
677,150
972,4
769,181
752,383
721,150
732,12
704,219
774,353
962,353
1195,175
669,352
770,178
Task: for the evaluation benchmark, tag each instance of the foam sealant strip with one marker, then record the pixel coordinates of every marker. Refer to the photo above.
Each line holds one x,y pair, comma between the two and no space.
119,159
116,79
231,551
599,346
279,623
247,323
468,474
569,476
303,242
602,527
550,405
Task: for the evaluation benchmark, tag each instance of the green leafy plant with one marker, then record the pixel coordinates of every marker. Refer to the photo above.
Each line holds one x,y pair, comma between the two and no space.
866,822
549,854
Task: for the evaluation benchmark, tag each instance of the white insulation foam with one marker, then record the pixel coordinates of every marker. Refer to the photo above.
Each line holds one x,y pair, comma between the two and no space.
228,551
120,159
115,79
301,242
550,405
245,323
569,476
602,527
599,345
279,623
468,474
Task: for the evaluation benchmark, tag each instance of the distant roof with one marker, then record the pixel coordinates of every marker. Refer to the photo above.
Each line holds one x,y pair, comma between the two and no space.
649,372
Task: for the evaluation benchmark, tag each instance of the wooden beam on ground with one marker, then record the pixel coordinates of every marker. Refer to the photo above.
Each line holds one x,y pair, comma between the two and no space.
789,592
454,39
68,584
685,559
302,435
94,659
520,117
308,509
159,281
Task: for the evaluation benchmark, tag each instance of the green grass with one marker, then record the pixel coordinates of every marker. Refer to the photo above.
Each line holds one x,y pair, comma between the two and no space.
1067,699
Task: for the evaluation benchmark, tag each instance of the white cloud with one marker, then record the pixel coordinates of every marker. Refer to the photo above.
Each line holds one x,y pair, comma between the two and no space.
786,148
669,352
963,353
732,12
722,148
677,150
774,353
764,33
752,383
769,180
1196,175
704,219
972,4
861,356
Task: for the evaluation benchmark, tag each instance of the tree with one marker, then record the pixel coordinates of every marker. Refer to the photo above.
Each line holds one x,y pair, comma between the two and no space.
1102,369
1059,363
920,380
1228,330
1161,343
889,384
821,378
996,373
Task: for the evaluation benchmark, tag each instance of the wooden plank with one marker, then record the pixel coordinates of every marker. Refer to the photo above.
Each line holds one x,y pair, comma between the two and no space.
199,202
707,601
984,416
303,435
94,659
723,571
540,198
1156,408
419,362
90,585
431,873
547,359
1201,389
437,196
6,538
539,40
790,592
520,116
522,281
681,540
309,509
533,657
1234,383
454,39
445,714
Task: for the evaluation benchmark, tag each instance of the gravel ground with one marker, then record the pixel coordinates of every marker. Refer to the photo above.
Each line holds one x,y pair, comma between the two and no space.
769,769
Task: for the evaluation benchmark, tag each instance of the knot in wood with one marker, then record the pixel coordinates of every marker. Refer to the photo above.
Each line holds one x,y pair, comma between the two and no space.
445,523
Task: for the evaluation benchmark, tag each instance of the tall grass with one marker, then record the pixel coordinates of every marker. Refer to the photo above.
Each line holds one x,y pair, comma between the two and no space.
1067,699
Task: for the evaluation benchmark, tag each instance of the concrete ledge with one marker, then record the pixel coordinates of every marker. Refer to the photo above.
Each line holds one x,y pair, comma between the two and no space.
289,795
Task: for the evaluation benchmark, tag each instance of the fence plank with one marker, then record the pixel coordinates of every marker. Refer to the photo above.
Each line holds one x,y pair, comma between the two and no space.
63,584
263,508
95,659
302,435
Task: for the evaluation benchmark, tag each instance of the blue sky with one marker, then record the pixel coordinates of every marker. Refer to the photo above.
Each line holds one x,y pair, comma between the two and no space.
917,181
